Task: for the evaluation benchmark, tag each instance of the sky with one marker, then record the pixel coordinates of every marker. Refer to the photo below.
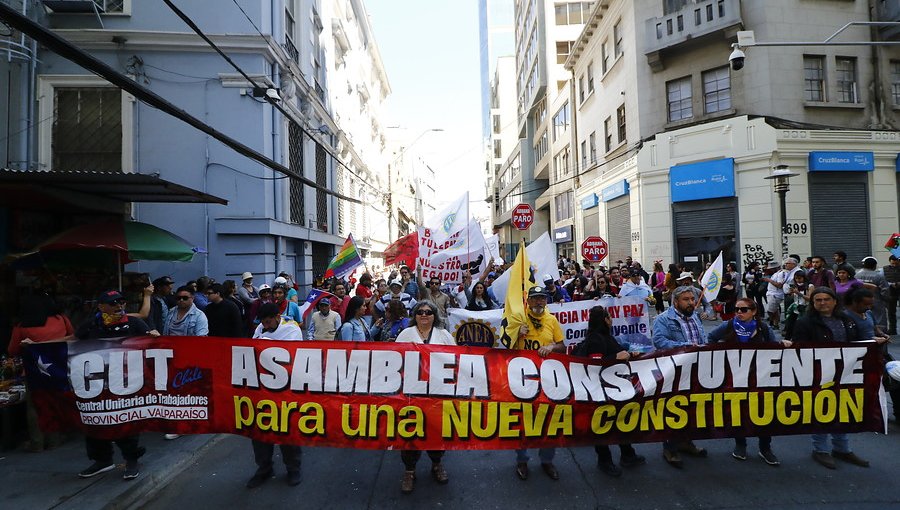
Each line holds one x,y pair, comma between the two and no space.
430,50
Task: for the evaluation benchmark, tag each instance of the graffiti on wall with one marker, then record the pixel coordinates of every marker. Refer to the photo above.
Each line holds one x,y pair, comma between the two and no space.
757,254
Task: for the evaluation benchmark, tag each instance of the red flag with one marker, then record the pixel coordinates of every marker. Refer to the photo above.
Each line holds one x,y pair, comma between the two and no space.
403,251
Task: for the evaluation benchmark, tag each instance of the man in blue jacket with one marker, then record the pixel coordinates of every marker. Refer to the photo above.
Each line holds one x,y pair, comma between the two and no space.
679,326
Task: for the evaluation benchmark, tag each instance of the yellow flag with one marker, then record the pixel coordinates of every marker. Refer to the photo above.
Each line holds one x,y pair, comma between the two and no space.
521,278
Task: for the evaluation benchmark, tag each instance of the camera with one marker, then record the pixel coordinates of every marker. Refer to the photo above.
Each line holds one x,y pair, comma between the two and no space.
736,58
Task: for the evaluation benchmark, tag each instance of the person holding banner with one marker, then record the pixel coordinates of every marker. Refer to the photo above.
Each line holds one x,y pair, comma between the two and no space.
600,344
428,329
545,336
273,325
677,327
743,330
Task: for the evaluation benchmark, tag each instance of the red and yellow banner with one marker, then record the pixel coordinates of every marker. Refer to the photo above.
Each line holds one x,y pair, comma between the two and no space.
407,396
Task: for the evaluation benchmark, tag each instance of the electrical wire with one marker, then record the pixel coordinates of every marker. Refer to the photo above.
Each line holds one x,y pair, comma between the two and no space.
213,163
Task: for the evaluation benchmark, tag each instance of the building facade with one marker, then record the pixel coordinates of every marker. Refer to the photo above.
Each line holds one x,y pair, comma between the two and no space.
677,144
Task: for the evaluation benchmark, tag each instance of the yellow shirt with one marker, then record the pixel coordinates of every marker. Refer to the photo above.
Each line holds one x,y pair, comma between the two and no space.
550,332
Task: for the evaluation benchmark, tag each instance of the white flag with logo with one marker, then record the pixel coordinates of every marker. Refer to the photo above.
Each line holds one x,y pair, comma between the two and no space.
541,255
468,246
712,279
492,244
449,220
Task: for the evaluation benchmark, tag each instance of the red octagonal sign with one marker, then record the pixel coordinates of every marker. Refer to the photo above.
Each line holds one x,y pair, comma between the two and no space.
594,248
523,216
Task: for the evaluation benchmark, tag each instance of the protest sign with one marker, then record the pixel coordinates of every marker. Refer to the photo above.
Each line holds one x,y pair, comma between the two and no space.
450,270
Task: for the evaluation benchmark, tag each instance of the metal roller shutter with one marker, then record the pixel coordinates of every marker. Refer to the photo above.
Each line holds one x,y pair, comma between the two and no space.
839,215
591,224
618,226
705,222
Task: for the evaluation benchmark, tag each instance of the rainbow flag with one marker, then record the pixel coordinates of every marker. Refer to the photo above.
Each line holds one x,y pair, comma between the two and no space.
346,260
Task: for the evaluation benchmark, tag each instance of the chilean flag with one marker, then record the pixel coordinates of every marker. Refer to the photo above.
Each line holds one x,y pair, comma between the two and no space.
312,300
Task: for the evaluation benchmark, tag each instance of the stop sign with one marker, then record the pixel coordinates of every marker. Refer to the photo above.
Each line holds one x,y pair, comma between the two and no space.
594,248
523,216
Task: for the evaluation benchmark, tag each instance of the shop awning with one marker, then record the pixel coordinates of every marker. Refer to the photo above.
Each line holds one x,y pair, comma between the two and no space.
119,186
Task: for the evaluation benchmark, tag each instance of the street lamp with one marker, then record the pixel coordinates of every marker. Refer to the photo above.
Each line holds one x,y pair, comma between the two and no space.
782,174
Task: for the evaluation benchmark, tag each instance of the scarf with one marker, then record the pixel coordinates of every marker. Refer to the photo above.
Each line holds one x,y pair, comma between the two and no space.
536,321
113,319
744,330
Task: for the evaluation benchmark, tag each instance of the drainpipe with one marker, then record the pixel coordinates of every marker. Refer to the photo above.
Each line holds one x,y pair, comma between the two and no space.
276,183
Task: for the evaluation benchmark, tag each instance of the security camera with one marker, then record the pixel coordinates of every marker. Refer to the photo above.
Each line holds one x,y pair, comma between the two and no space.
736,58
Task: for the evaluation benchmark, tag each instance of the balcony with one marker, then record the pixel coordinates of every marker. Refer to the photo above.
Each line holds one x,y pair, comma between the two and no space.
291,50
888,11
693,21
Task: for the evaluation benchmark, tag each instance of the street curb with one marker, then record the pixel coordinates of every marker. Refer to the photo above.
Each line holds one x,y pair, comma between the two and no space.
151,483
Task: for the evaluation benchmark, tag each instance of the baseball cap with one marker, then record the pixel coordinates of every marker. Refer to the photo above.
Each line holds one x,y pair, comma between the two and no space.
773,264
264,287
246,275
685,275
492,275
396,281
547,278
324,301
537,291
280,280
163,280
109,296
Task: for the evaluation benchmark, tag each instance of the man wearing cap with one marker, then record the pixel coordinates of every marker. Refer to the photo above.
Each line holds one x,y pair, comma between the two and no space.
555,293
541,333
396,292
679,326
274,326
159,309
325,322
892,275
265,296
870,274
110,321
247,293
776,278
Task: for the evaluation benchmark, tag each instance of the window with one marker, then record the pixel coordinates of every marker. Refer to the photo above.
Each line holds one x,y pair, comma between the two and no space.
717,90
561,167
565,205
620,119
814,78
584,155
541,147
895,81
110,5
590,77
496,123
678,97
846,79
593,143
561,121
672,6
563,49
572,13
295,160
607,130
581,89
604,57
290,31
498,149
87,129
617,37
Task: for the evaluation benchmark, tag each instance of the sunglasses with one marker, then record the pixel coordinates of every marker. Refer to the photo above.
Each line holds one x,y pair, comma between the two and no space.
742,309
424,312
183,298
118,302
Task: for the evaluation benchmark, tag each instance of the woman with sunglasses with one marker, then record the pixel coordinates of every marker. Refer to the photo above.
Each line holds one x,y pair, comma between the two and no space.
598,287
428,329
745,329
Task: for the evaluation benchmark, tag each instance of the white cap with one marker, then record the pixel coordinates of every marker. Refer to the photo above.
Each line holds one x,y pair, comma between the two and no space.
685,275
396,281
547,278
280,280
264,287
246,275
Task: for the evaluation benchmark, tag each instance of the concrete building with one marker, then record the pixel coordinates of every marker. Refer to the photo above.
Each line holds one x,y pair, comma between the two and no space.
544,34
676,144
310,52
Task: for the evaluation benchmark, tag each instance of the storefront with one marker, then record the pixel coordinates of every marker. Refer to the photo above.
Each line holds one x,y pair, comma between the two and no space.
590,216
840,179
618,220
565,246
704,211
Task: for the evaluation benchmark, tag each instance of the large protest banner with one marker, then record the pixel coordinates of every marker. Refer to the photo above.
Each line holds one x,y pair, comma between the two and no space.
631,323
408,396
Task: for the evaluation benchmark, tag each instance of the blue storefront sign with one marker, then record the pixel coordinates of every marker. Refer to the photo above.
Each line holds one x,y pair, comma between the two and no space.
616,190
590,201
700,181
562,234
833,161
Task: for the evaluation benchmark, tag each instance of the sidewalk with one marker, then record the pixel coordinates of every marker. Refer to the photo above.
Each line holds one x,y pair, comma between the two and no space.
50,479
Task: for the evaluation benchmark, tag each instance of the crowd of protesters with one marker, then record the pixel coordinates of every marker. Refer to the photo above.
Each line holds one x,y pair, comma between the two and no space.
777,302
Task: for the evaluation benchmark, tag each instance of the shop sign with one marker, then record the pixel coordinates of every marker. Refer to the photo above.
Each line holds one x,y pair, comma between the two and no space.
590,201
616,190
834,161
701,181
562,234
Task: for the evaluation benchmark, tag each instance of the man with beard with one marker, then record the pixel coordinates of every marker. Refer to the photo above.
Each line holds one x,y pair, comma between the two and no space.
541,333
679,326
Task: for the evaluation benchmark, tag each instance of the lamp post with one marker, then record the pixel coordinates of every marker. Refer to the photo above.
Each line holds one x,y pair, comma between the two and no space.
782,174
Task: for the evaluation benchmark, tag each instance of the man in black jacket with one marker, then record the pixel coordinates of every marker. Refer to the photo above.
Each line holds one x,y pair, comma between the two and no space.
826,323
223,315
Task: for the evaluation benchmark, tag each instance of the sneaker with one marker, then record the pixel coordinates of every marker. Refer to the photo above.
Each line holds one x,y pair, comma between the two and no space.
673,458
851,458
97,468
769,457
294,478
825,459
632,461
172,436
408,482
132,470
610,468
739,452
259,478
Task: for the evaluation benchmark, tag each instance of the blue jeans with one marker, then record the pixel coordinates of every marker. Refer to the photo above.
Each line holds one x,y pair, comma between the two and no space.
545,454
840,443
